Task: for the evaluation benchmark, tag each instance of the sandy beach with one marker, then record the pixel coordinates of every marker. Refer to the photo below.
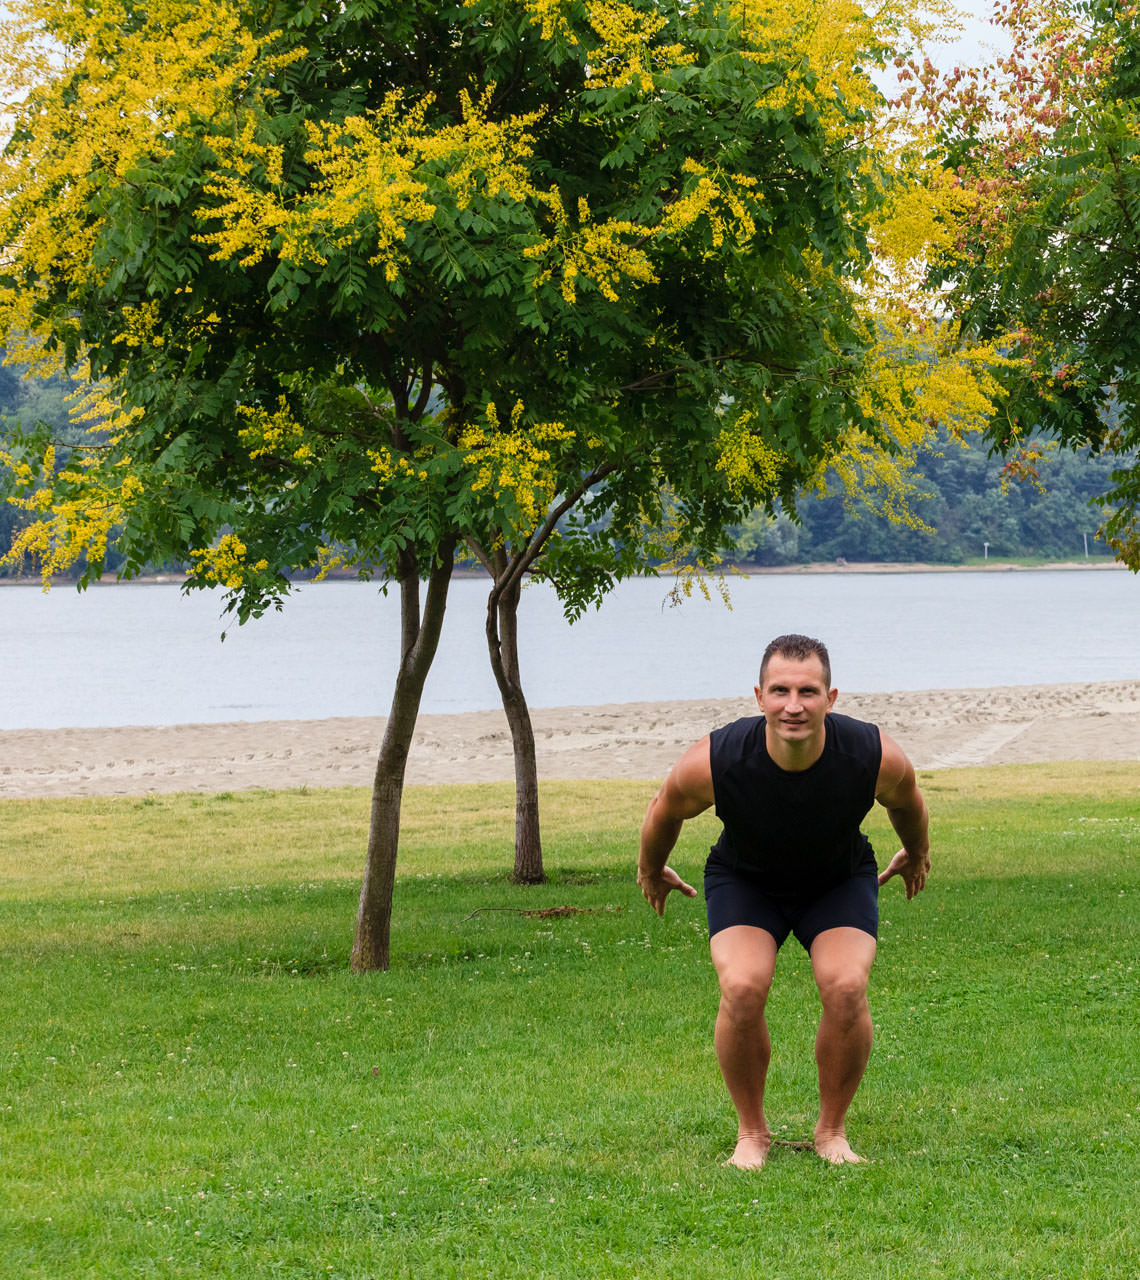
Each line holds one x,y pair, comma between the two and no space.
939,729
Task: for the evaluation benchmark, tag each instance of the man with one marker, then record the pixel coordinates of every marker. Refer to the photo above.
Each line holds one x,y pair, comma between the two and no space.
791,788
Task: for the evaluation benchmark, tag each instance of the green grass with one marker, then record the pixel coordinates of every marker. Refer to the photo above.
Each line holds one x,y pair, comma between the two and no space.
1093,560
192,1084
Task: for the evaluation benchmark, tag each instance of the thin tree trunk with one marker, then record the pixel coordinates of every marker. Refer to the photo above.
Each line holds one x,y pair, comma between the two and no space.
507,572
419,641
502,644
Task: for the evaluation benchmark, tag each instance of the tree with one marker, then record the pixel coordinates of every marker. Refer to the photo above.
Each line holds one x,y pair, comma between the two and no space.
805,150
1042,255
628,245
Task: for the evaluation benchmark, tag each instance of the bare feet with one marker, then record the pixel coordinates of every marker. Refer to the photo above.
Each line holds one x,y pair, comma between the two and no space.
835,1148
751,1151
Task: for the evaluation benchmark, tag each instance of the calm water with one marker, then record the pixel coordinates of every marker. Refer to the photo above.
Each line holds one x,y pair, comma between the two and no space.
146,654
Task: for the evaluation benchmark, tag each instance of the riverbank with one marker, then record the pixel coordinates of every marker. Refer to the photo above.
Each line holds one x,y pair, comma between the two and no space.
939,729
730,570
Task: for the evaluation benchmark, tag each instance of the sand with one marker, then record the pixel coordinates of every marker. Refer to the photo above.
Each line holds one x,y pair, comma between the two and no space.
939,729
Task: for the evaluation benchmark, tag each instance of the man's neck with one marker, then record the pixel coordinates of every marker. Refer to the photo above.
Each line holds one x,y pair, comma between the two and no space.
794,757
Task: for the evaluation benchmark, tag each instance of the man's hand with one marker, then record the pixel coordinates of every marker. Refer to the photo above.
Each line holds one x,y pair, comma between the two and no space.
657,888
913,870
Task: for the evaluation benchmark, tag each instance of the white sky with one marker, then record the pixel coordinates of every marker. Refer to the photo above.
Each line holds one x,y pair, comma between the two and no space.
978,41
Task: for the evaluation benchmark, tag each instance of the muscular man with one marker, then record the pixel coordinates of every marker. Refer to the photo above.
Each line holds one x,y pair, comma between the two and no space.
791,787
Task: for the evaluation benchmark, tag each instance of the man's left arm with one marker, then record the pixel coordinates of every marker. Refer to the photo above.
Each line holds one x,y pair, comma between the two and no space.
897,791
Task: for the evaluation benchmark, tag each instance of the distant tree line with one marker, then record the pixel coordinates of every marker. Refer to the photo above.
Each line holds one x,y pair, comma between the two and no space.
965,500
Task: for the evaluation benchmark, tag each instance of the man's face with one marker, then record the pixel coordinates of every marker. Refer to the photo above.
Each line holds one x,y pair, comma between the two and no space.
794,698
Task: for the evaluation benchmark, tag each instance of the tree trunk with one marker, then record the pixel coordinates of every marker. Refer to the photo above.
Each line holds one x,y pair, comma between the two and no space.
419,641
502,644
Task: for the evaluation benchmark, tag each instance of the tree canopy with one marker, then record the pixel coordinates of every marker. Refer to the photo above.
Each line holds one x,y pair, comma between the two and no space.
606,233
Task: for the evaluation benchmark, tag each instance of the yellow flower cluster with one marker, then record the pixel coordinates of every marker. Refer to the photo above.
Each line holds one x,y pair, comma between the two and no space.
916,378
75,511
386,464
913,381
329,560
483,154
876,480
373,169
748,463
225,564
626,53
139,325
515,460
722,199
596,251
273,434
52,176
548,15
826,47
247,217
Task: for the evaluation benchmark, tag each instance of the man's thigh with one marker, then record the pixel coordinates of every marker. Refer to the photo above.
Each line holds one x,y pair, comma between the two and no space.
843,957
744,957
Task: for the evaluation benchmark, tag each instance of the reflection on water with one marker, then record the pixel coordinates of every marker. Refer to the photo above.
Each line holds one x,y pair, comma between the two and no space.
146,654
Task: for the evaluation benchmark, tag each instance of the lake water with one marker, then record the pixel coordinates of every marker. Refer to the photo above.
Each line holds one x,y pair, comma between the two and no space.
146,654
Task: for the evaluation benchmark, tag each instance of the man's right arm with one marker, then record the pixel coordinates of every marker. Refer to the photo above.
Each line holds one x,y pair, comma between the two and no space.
897,790
687,791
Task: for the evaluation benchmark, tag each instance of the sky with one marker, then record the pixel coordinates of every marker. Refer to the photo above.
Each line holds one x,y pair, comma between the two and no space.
978,40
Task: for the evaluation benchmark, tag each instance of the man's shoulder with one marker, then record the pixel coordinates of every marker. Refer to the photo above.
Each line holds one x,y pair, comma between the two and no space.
854,737
850,722
742,729
738,739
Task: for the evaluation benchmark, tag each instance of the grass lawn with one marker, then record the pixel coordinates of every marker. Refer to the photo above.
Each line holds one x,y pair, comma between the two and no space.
192,1084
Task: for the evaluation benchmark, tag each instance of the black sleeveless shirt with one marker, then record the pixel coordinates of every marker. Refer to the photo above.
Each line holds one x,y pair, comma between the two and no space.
798,832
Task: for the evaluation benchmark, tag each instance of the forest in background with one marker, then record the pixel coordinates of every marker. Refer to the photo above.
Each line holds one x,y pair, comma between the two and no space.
964,500
962,497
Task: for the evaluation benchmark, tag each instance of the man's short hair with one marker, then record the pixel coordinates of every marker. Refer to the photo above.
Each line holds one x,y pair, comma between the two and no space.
799,648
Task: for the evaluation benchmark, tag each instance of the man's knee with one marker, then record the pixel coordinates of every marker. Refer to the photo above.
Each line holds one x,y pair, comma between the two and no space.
844,996
745,990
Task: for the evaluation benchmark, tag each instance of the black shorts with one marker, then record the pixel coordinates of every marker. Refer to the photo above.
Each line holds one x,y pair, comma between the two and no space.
734,897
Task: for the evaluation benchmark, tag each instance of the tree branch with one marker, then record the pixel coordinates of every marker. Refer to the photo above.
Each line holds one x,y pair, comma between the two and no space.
476,549
521,562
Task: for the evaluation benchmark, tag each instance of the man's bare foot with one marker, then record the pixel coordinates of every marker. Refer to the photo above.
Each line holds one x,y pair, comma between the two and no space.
751,1151
835,1148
